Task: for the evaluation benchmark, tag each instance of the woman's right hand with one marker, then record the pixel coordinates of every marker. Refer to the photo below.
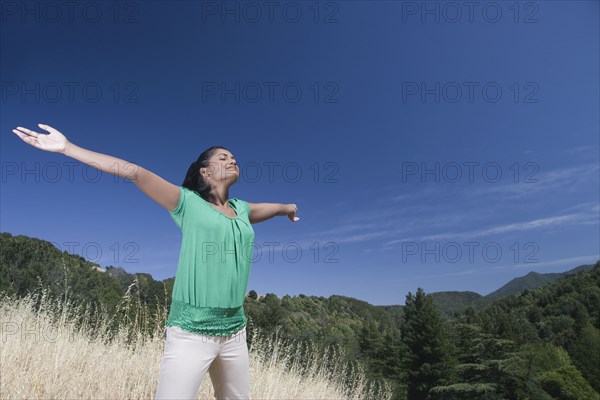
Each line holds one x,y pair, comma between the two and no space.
54,142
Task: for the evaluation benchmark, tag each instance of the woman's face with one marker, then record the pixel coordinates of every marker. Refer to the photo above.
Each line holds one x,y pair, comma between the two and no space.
222,167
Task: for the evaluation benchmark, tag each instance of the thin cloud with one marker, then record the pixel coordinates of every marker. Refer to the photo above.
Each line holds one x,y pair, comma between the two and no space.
522,226
564,179
559,220
565,263
579,149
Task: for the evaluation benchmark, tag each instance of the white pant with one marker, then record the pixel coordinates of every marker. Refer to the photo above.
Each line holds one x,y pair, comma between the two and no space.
187,357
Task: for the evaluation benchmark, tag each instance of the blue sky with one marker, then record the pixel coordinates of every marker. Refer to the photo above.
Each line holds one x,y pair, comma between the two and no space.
426,144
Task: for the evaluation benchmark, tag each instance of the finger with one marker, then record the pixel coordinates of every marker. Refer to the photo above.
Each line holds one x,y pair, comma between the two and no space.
27,131
27,139
46,128
22,135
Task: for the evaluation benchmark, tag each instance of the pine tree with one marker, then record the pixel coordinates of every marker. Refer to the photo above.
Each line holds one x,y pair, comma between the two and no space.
371,346
427,360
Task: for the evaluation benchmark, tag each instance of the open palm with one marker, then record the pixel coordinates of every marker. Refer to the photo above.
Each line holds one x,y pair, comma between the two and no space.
55,141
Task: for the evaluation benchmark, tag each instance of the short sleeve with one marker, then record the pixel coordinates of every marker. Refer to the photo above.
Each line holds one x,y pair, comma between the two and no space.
178,213
245,205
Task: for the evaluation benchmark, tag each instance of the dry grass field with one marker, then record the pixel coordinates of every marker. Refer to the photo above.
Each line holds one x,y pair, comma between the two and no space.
46,354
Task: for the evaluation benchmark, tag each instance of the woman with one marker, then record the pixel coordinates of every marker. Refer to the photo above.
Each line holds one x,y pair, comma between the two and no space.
206,326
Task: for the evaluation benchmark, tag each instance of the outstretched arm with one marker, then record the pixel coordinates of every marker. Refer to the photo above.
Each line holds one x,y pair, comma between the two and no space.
163,192
260,212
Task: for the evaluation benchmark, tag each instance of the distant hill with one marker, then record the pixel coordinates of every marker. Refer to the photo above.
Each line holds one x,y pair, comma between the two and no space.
452,302
533,280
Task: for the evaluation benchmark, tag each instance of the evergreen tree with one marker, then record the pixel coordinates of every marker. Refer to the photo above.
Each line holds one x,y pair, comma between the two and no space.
372,347
585,353
427,360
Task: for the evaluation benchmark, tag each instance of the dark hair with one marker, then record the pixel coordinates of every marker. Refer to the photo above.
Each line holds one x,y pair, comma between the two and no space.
193,180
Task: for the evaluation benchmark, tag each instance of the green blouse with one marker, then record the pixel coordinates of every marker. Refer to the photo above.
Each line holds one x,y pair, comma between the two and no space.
214,266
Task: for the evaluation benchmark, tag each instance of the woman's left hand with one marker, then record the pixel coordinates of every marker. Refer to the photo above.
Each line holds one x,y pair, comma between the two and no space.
292,210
